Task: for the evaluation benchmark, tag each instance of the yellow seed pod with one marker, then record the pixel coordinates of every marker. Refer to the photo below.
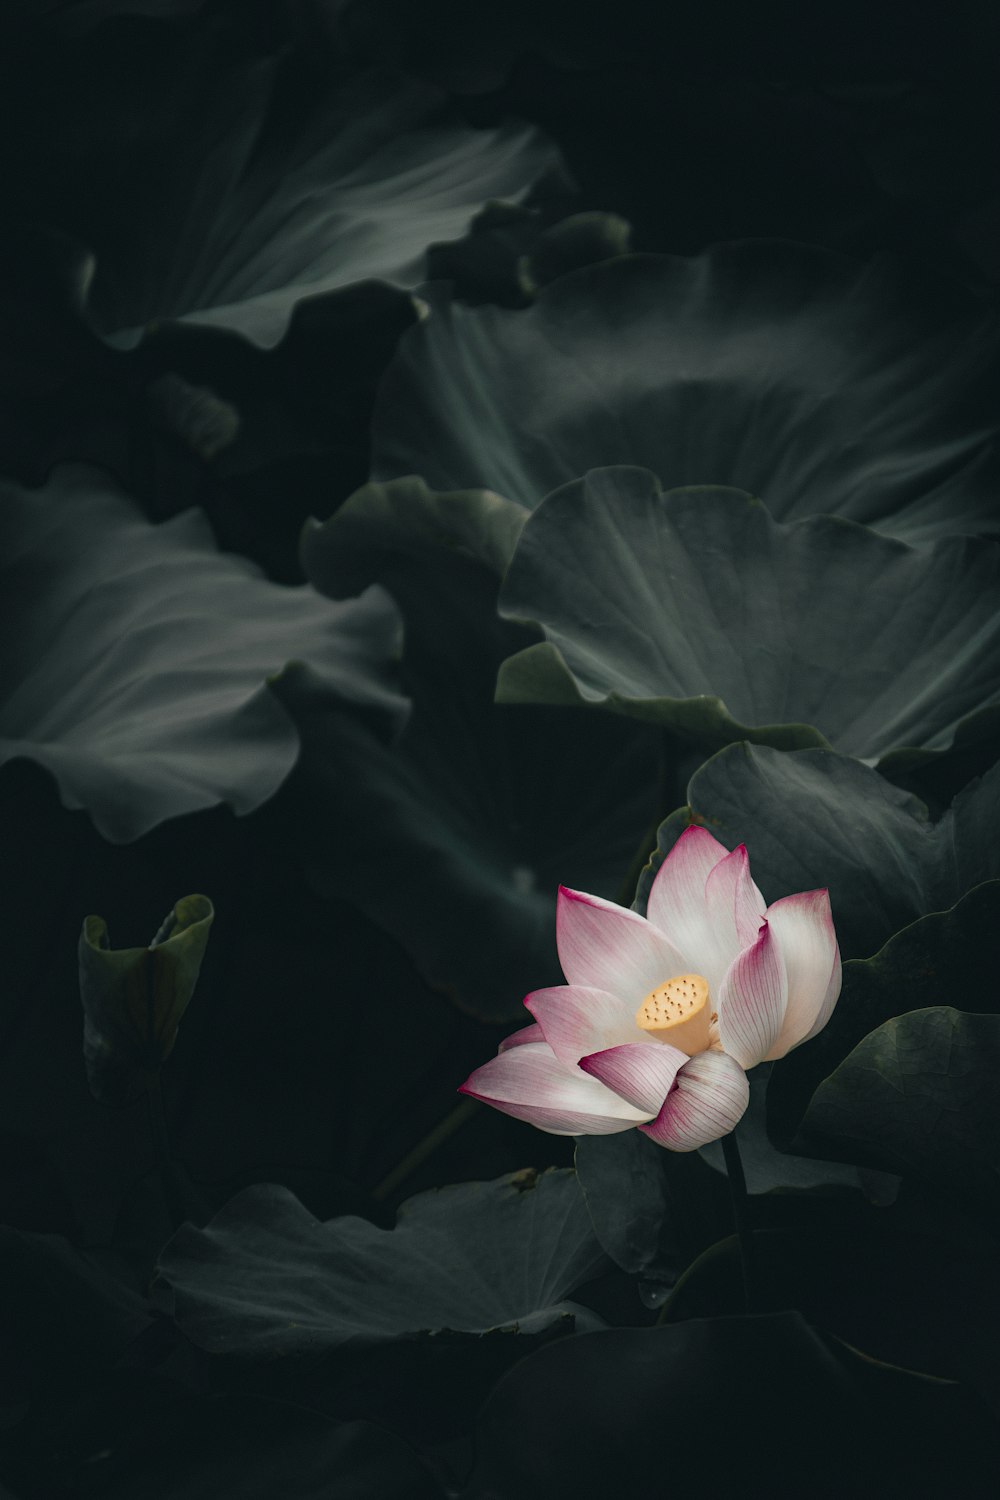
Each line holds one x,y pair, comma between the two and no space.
678,1012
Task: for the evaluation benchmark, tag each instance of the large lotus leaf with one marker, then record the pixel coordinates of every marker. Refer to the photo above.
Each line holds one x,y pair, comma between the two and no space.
265,1278
224,165
727,1406
694,609
946,958
136,659
919,1095
814,382
812,818
368,178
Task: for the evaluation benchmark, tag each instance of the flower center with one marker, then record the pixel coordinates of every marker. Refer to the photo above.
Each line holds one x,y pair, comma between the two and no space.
678,1012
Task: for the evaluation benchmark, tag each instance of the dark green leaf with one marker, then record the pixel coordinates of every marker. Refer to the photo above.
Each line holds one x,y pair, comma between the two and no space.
919,1095
947,956
811,818
143,685
265,1279
821,384
242,207
694,610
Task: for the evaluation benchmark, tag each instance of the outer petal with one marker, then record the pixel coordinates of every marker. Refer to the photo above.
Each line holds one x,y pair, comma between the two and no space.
679,905
802,926
731,888
643,1075
710,1098
532,1033
575,1020
752,1001
608,947
530,1083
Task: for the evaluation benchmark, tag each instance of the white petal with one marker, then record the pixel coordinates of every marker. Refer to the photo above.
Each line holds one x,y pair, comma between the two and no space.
641,1074
730,889
576,1020
709,1100
607,947
699,922
807,943
530,1083
752,1001
532,1033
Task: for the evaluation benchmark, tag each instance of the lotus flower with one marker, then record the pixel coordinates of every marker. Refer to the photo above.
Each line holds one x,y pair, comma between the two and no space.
663,1015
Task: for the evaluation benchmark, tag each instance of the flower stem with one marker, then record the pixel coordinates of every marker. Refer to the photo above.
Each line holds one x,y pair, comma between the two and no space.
741,1214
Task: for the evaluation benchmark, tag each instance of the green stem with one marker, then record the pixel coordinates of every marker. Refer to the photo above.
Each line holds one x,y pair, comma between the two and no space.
741,1214
424,1148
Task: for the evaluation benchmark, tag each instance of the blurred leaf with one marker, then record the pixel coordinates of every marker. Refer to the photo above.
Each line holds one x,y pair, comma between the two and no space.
221,167
143,687
693,609
582,239
266,1280
192,413
385,526
811,818
511,249
732,367
948,955
918,1095
456,838
134,998
725,1406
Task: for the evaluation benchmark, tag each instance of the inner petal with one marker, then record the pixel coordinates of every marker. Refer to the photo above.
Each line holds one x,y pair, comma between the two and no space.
679,1012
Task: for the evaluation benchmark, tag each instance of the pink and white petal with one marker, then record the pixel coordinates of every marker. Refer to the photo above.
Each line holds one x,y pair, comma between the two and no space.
731,890
752,1001
678,905
642,1075
807,943
530,1083
829,999
607,947
709,1100
575,1020
532,1033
